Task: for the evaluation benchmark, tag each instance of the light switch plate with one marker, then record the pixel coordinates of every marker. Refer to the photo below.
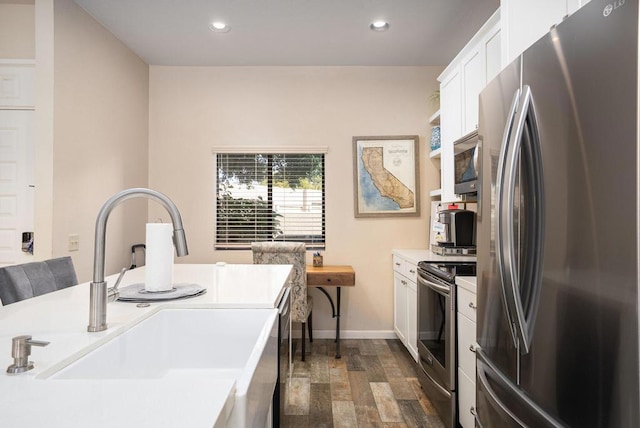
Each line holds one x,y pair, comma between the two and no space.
74,243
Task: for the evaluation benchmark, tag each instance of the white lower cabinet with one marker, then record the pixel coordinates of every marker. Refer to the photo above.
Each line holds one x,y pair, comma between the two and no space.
405,304
400,324
466,400
466,319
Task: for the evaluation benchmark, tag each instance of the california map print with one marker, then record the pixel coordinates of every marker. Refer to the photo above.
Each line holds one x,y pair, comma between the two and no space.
386,176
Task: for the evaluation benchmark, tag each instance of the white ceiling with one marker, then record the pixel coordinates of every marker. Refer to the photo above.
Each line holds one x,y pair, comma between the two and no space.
293,32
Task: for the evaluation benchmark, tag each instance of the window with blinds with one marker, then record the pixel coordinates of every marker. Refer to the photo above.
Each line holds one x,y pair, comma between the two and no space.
269,197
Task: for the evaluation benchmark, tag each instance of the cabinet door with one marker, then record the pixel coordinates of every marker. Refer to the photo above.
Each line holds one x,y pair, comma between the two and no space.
473,82
466,400
400,307
467,303
524,22
450,107
450,129
412,319
573,5
492,53
466,345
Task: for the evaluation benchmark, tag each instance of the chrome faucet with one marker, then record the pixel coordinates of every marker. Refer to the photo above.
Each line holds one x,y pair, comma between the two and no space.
100,295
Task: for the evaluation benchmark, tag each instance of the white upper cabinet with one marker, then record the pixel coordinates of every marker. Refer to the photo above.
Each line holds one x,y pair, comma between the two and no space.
493,47
573,5
509,32
524,22
474,79
460,84
450,129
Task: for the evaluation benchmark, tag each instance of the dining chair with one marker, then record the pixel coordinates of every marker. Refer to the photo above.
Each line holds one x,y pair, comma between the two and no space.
20,282
290,253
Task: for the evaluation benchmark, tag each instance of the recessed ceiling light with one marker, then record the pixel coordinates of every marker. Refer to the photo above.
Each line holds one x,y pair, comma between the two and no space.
219,27
379,26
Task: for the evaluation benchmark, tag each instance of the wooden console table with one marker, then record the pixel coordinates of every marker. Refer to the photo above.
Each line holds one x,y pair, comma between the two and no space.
332,276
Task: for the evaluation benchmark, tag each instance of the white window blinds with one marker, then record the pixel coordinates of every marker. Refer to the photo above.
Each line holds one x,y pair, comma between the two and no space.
269,197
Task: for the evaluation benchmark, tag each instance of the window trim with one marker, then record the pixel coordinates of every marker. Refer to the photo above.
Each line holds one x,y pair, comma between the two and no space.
273,150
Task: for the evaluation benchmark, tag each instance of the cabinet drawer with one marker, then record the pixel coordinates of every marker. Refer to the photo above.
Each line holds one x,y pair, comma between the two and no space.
411,271
467,303
466,342
405,268
398,264
337,277
466,400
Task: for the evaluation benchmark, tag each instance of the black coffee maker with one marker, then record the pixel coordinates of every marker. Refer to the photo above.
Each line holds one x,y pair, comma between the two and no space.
459,228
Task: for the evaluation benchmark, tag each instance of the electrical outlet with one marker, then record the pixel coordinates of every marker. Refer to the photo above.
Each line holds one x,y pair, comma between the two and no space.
74,242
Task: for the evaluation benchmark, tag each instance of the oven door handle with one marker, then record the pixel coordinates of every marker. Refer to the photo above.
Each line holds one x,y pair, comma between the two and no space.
440,289
442,389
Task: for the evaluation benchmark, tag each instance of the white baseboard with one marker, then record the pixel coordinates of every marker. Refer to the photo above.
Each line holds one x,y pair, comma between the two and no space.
347,334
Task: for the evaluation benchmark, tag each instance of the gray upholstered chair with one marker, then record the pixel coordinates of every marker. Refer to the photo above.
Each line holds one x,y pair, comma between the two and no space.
28,280
290,253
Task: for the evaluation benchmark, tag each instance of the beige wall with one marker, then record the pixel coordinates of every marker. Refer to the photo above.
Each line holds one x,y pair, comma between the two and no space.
194,109
17,29
96,91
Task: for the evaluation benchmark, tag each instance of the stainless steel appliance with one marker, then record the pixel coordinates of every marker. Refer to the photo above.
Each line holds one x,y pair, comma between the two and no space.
466,157
459,227
284,357
437,333
558,229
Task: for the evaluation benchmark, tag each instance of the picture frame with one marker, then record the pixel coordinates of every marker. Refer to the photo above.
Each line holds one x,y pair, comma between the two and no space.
386,176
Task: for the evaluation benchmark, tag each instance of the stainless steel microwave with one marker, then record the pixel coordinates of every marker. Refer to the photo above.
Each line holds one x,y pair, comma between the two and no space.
466,160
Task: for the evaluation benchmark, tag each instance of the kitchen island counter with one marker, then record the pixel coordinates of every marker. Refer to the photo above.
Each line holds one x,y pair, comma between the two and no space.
31,400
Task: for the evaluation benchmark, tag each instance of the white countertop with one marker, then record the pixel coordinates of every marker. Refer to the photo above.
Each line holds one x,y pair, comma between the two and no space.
425,255
62,317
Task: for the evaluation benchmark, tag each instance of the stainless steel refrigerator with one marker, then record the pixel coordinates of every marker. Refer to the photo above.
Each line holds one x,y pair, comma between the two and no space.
558,229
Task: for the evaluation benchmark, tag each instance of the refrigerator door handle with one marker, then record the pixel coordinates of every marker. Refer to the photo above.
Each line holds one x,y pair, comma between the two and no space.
501,240
523,320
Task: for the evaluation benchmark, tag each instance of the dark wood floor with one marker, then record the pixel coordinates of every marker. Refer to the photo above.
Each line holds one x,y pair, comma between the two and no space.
374,384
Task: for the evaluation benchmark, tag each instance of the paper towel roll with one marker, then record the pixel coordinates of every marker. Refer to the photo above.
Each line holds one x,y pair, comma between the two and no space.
159,257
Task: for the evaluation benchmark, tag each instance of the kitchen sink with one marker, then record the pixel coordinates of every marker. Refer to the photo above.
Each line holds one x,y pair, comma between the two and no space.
239,344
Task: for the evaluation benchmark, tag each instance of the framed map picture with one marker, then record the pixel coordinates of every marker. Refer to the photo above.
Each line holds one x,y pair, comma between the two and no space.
387,176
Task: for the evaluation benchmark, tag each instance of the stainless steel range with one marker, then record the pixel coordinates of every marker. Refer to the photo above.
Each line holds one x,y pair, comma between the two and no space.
437,333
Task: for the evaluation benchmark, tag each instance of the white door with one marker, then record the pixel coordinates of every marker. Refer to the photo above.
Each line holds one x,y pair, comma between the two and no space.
16,184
